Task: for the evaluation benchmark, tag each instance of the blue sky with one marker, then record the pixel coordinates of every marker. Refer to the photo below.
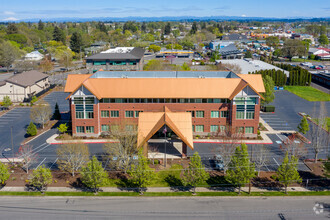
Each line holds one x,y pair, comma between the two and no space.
25,9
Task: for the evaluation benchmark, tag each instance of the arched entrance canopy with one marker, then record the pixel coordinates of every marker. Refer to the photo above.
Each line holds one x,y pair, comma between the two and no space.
179,122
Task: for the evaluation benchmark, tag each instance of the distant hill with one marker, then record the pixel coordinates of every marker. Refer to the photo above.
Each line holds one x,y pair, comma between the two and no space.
179,18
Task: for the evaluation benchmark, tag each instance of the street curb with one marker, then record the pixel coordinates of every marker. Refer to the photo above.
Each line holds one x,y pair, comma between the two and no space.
36,136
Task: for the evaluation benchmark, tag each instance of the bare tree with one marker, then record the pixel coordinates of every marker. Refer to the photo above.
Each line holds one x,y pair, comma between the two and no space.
41,113
25,65
319,137
153,152
71,157
259,156
25,152
230,140
294,146
120,153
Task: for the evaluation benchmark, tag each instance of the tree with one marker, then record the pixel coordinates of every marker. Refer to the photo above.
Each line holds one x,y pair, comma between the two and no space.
259,156
8,54
46,65
141,174
25,152
58,35
4,173
72,157
241,169
143,27
12,28
195,173
64,56
6,102
185,67
41,113
154,48
167,29
194,28
293,146
319,137
287,172
76,42
41,25
268,95
120,153
293,48
57,114
62,128
303,127
248,54
93,175
41,177
323,40
31,130
272,41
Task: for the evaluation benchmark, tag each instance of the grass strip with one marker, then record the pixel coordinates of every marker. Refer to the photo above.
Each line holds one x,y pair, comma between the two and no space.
308,93
166,194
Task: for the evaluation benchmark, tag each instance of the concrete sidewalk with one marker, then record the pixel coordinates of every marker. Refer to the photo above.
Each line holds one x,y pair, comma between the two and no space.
164,189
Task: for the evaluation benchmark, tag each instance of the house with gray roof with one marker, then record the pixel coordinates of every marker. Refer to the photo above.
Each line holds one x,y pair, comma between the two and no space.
21,87
119,58
230,52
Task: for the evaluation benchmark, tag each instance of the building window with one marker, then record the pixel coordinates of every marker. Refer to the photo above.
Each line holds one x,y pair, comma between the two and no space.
89,111
97,63
114,127
249,130
78,100
105,128
249,115
79,115
198,100
214,128
251,101
199,128
240,130
114,114
214,114
192,113
104,114
89,100
222,128
89,115
224,114
193,128
80,129
89,129
240,112
129,114
199,114
137,113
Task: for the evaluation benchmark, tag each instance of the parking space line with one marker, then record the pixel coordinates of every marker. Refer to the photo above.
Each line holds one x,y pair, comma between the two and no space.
41,162
53,163
41,149
276,161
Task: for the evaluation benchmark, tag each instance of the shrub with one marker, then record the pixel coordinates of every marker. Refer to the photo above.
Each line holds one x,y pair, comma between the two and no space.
41,177
4,173
31,129
156,162
269,108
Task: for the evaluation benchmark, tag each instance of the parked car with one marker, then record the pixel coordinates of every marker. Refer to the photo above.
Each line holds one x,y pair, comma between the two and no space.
217,162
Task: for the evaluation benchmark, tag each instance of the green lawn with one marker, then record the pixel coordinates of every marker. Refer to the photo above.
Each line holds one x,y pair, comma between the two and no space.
308,93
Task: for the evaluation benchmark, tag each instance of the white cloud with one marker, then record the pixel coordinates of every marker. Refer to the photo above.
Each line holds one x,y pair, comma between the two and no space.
10,19
9,13
243,15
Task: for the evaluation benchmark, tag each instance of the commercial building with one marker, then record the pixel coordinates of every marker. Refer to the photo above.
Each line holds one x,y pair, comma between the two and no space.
189,102
119,59
21,87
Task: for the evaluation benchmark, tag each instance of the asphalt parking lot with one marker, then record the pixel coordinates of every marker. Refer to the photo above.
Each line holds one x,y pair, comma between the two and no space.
274,121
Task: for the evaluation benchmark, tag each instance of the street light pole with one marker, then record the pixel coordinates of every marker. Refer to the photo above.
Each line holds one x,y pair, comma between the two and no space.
164,131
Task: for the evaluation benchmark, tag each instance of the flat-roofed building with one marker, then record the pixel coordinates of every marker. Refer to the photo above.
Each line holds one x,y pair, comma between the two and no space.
115,59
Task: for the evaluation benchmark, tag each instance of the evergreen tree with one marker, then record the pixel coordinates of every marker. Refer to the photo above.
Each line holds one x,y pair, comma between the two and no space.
31,130
4,173
167,29
303,127
41,25
93,175
57,114
76,42
41,177
269,90
58,35
241,170
141,174
287,172
195,173
143,27
194,28
12,29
